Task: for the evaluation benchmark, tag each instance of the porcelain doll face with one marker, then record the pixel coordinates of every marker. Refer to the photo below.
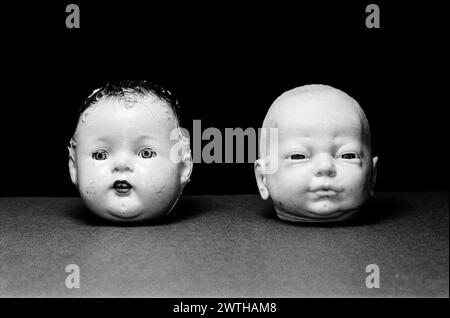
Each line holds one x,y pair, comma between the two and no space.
325,166
122,165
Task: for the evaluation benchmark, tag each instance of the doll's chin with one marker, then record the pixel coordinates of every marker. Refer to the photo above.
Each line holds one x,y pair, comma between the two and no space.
130,215
126,209
125,215
316,216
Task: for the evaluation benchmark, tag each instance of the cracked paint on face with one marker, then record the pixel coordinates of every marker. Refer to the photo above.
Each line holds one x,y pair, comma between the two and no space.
111,140
160,190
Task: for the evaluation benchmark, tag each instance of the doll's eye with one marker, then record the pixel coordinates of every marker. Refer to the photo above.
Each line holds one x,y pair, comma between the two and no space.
298,156
349,155
146,153
100,155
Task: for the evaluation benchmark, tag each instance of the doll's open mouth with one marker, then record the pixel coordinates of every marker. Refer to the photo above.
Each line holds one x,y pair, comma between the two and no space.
122,186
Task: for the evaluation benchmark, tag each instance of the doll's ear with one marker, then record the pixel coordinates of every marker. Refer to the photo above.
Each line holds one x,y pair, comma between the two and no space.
374,175
186,159
72,165
181,154
186,167
260,175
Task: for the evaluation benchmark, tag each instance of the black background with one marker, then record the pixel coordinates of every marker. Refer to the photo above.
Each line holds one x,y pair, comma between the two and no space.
227,63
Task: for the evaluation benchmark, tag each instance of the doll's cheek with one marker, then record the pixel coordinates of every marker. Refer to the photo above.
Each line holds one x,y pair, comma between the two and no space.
91,188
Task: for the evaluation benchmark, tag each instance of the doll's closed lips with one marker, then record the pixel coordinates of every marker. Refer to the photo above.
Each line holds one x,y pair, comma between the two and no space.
326,193
325,190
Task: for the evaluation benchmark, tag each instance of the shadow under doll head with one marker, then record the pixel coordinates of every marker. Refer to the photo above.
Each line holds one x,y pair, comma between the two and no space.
321,168
128,156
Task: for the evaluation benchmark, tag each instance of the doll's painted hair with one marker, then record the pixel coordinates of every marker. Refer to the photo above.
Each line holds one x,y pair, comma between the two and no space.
129,92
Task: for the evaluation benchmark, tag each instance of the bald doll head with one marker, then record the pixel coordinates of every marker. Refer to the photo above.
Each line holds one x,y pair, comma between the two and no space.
321,167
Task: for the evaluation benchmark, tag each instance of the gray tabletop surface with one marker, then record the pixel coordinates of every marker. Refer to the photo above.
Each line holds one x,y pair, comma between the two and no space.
226,246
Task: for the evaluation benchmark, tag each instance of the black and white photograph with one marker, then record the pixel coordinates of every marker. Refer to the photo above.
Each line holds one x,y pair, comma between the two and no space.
223,156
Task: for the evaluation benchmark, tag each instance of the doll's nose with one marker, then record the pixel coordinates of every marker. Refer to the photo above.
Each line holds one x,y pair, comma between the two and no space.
123,163
324,166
